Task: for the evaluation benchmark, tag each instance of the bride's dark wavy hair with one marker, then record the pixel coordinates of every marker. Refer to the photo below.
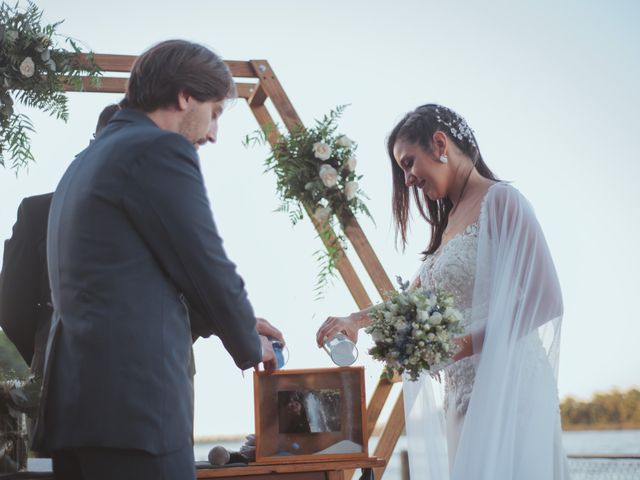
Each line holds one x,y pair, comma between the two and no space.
418,127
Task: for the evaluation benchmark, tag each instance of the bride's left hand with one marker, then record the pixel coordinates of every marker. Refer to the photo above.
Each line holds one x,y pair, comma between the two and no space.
465,347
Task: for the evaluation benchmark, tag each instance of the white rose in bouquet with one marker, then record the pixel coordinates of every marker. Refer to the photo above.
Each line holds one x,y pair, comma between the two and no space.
328,175
322,151
351,163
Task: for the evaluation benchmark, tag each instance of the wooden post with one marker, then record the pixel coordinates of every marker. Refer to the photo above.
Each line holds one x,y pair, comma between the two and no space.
390,434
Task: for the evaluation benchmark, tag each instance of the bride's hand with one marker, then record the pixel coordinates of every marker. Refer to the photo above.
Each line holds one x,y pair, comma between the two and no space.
334,325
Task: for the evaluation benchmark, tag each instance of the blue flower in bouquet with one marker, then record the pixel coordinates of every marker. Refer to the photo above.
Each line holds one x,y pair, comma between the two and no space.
414,331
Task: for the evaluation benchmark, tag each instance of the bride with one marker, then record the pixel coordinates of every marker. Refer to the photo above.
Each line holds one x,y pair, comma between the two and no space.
499,418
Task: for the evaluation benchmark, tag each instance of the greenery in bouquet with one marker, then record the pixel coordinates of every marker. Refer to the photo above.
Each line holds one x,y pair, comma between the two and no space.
34,70
315,171
414,331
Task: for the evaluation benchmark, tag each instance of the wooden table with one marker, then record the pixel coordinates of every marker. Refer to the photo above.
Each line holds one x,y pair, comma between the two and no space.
324,470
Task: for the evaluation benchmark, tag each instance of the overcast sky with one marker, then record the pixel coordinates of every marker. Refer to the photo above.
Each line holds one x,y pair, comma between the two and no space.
550,88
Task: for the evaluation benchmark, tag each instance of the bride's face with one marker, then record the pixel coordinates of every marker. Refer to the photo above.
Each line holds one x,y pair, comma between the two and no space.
421,168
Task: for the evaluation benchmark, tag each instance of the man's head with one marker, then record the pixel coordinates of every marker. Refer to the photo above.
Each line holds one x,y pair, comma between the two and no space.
105,116
182,86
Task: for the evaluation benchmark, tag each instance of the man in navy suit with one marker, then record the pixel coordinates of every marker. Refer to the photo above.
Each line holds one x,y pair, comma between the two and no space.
25,297
132,247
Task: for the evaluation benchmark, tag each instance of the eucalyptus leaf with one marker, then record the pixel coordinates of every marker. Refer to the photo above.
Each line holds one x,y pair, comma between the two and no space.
22,32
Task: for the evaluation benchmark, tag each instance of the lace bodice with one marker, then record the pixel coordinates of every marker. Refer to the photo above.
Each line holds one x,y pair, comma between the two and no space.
452,268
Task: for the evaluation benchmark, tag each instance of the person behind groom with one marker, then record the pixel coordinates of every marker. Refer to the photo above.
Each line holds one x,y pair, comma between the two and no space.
25,297
132,248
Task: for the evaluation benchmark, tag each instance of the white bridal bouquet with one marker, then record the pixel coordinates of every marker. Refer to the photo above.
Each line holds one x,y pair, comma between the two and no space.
414,331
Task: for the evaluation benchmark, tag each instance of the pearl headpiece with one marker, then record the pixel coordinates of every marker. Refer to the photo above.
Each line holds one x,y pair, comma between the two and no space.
457,126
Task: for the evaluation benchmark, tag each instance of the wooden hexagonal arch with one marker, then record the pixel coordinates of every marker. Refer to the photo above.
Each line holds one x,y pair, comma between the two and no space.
258,83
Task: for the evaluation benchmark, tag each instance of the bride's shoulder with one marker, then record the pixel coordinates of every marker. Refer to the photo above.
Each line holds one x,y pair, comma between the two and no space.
505,199
502,192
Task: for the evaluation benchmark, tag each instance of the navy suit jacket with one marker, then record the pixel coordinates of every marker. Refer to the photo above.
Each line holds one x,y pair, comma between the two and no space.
131,242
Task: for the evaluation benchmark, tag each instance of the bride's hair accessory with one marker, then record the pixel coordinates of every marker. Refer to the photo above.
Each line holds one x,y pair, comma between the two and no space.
457,126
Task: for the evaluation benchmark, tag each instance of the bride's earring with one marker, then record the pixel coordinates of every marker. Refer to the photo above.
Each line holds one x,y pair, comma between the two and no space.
444,158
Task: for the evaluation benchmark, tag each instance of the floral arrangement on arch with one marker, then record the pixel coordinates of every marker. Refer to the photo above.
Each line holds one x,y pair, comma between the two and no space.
315,170
34,70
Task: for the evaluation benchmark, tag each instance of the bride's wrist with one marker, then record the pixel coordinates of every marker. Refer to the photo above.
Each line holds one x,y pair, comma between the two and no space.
359,320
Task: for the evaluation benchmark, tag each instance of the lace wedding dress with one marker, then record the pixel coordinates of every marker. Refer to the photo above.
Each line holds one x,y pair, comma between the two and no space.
500,415
452,268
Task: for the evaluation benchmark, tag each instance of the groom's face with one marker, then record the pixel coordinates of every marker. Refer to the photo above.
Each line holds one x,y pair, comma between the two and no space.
200,121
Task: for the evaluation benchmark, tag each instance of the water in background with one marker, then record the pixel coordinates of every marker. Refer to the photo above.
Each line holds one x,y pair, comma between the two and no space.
606,442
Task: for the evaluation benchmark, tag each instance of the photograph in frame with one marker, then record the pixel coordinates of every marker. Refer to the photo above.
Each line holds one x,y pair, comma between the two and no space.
304,415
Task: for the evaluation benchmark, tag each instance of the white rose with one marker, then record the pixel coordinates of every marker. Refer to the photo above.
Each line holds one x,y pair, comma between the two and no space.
328,175
351,163
400,324
436,318
27,67
321,150
322,214
350,190
345,141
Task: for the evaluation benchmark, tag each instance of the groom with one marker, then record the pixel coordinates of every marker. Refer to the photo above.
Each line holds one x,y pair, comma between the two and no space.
132,248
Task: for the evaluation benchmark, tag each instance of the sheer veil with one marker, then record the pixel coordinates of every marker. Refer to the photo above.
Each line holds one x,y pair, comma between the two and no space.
512,425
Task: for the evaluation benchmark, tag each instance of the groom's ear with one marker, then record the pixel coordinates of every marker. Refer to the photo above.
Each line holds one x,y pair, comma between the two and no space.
182,101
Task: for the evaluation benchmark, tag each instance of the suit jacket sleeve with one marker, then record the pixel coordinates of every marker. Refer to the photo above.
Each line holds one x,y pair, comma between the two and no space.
18,292
168,204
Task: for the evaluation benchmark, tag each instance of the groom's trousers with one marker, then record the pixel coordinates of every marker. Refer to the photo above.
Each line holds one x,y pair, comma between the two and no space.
120,464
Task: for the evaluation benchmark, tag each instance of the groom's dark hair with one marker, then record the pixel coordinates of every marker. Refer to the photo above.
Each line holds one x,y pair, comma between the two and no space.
174,66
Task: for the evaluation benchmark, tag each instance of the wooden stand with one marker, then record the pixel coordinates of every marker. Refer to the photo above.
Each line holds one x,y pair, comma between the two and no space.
301,471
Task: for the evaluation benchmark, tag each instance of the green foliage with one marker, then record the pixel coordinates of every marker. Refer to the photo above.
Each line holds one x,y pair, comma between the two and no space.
610,409
315,171
12,366
34,70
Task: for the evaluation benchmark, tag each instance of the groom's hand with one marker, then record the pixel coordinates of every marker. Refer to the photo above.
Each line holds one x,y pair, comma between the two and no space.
269,361
268,330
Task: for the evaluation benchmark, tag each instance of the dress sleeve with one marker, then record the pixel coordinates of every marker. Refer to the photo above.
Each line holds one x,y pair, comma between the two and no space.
515,276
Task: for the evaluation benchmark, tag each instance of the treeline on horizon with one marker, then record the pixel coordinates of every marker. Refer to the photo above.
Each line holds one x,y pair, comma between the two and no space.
609,410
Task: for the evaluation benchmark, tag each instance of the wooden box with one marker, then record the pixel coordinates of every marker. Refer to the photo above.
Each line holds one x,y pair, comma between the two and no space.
310,415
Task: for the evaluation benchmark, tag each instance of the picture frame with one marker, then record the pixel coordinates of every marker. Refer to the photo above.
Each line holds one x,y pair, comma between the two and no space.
310,415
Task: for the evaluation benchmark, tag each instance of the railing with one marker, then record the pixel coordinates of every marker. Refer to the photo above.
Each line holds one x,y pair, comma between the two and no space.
581,467
604,467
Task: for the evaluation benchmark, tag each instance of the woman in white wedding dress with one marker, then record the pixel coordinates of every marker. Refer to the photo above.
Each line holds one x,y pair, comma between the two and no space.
499,418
